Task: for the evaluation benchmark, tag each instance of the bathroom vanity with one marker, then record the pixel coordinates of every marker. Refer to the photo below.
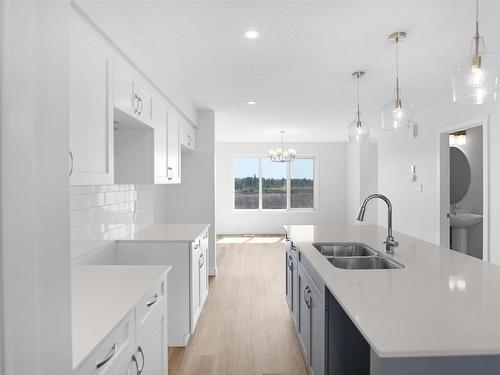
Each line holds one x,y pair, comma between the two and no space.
422,310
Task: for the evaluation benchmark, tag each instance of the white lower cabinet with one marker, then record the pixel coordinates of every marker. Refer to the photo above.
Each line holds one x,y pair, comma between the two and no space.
188,279
138,345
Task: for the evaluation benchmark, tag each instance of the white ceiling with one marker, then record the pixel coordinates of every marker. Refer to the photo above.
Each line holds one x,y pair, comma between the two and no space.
299,71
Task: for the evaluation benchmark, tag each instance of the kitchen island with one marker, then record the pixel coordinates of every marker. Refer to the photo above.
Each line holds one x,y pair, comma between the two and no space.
436,315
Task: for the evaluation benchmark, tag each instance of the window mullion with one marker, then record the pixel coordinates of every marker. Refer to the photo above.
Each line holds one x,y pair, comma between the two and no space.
288,187
260,184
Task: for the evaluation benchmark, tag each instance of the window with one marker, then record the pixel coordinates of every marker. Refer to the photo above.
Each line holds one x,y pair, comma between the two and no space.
302,183
262,184
274,177
246,183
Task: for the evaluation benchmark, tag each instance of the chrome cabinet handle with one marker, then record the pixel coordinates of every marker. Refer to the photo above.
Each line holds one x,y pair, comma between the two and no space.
202,260
134,359
153,300
107,357
306,295
142,106
189,140
290,266
139,349
136,107
169,169
72,163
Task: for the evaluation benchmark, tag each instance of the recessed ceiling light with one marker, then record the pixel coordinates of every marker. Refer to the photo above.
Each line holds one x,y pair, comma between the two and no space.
251,102
251,34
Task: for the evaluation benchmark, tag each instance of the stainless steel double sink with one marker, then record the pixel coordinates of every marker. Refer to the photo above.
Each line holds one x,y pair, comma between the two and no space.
355,256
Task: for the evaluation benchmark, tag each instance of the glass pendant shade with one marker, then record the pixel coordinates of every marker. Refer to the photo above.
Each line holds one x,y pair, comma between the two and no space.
397,115
357,132
475,80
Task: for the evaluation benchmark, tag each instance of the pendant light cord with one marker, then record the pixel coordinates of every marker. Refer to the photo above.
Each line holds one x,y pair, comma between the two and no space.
477,36
398,100
359,115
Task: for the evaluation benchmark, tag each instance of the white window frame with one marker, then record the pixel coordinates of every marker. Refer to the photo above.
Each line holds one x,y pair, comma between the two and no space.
288,208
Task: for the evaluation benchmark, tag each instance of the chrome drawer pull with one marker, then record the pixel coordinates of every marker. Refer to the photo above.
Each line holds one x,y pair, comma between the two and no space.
137,372
139,349
108,356
153,300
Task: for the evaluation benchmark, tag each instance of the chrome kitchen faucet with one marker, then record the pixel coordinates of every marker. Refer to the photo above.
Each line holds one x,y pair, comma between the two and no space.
390,243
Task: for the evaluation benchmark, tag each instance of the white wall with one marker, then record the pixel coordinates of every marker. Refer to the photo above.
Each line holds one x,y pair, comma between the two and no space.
193,201
331,179
362,180
34,241
418,213
473,199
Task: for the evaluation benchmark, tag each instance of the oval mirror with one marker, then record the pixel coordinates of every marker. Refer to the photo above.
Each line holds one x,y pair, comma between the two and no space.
459,175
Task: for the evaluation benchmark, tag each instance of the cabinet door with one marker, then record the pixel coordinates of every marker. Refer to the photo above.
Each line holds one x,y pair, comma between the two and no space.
129,367
304,321
160,123
295,289
145,106
174,157
91,112
152,351
317,335
195,284
289,280
203,276
125,98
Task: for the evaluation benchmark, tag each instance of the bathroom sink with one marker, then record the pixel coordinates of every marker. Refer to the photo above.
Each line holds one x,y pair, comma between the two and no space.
465,220
338,249
364,263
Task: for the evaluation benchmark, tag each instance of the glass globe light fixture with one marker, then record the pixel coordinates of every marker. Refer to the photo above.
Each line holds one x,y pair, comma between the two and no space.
356,132
475,80
397,114
280,155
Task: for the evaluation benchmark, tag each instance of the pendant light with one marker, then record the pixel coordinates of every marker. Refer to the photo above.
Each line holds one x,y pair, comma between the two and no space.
280,155
397,114
475,80
356,132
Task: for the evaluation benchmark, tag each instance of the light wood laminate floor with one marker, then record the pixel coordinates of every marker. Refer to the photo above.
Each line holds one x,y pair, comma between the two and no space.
245,327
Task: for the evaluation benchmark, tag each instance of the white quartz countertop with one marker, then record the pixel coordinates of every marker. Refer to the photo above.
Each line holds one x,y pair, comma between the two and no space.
101,297
443,303
168,233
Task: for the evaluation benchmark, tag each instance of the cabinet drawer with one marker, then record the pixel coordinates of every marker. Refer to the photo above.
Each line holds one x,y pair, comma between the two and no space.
153,303
111,352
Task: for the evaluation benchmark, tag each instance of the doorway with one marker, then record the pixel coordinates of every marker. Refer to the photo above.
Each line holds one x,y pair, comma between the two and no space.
463,188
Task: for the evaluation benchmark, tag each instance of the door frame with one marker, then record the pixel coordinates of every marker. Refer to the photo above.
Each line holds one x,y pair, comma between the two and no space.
443,180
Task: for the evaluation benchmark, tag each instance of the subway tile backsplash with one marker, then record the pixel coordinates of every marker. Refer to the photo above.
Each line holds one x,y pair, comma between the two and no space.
102,214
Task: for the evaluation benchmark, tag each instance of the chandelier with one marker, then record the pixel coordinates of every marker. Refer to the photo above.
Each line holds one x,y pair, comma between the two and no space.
280,155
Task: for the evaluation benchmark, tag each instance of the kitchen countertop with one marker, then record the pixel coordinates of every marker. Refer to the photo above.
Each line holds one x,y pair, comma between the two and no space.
443,303
168,233
101,296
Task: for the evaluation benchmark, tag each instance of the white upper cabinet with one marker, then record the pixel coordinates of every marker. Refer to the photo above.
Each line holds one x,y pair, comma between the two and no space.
91,110
160,125
174,150
132,95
